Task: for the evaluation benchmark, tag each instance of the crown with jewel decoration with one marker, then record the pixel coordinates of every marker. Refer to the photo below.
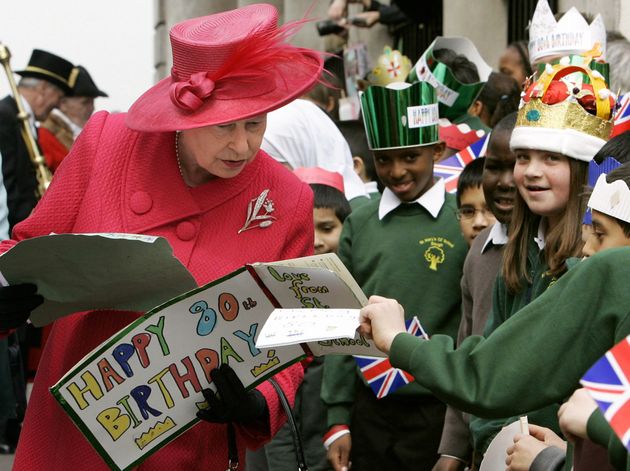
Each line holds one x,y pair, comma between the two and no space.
570,35
568,110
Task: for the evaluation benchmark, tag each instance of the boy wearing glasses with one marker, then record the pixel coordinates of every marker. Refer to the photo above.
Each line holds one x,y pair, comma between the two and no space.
472,210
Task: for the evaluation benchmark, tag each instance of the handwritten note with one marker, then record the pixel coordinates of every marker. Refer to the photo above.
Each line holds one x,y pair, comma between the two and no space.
293,326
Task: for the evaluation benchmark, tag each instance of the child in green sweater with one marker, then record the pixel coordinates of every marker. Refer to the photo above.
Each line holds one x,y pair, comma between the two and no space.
554,139
610,205
590,315
561,334
408,245
482,264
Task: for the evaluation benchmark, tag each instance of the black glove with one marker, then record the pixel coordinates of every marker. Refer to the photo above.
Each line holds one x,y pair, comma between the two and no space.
16,304
232,403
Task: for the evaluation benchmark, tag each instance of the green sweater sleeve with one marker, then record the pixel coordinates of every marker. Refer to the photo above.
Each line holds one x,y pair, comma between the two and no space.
516,369
338,387
599,431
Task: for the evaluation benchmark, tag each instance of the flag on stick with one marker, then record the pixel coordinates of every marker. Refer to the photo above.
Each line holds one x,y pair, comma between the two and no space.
608,384
382,377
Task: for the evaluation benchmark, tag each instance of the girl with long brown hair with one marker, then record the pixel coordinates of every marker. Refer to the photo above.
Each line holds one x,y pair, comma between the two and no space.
564,120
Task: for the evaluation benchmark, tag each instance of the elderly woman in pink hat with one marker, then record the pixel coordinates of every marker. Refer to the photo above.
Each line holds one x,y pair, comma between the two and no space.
184,163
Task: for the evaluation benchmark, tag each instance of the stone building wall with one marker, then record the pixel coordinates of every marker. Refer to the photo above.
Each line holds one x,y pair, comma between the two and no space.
471,18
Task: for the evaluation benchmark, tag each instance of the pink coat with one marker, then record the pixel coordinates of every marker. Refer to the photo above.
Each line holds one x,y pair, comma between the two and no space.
118,180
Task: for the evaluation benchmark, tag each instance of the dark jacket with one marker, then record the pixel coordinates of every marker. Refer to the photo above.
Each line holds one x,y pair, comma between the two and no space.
17,170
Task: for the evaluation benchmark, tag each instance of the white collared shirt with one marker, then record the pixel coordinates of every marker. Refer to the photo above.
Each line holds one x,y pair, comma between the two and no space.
540,237
497,236
371,187
432,200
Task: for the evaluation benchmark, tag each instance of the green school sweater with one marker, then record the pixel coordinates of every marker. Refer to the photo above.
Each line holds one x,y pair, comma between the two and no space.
504,306
409,256
600,431
537,357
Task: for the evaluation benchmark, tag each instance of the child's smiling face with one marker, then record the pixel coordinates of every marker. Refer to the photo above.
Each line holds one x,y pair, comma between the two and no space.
498,176
544,181
408,172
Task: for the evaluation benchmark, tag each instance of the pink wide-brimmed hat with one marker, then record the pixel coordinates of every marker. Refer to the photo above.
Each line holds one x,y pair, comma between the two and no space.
320,176
227,67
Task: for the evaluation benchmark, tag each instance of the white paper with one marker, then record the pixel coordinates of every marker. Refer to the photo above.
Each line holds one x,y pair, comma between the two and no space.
494,458
294,326
81,272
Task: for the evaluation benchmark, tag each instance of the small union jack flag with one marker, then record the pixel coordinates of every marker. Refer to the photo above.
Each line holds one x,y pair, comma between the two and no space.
449,169
379,373
608,383
621,122
594,171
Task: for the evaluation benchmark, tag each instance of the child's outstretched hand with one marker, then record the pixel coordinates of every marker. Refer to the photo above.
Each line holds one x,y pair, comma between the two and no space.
574,414
382,319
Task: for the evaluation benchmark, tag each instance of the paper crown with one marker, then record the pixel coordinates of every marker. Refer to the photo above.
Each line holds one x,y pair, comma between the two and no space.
612,199
400,115
455,97
319,176
570,35
579,59
561,113
391,66
458,136
594,171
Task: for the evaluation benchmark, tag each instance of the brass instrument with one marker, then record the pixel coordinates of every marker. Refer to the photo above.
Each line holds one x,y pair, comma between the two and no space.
41,170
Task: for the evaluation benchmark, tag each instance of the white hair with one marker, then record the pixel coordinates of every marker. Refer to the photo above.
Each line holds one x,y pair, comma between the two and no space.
29,82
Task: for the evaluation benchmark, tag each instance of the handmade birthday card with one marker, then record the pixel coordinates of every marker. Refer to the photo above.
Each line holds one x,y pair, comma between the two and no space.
142,388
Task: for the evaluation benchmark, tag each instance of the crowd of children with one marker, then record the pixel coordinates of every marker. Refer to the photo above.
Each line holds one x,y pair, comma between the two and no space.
508,242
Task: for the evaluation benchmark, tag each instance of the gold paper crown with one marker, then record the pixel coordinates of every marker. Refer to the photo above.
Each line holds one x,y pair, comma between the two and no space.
562,124
564,115
569,113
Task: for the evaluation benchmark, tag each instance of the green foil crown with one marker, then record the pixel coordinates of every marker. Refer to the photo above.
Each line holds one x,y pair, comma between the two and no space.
400,117
454,96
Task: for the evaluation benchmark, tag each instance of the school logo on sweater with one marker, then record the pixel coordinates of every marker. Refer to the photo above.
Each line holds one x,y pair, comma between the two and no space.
435,250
